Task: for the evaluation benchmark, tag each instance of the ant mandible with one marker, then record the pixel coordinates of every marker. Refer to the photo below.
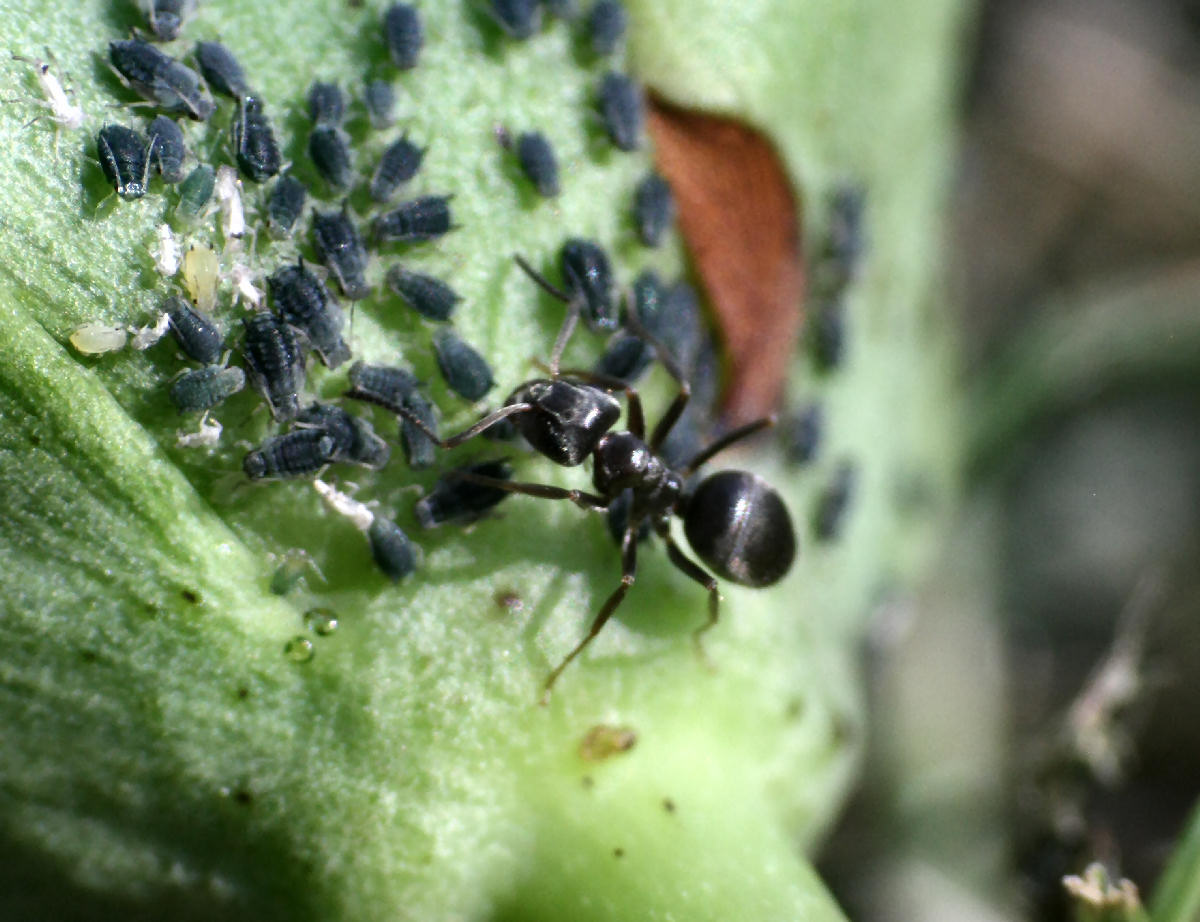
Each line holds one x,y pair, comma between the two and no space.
735,521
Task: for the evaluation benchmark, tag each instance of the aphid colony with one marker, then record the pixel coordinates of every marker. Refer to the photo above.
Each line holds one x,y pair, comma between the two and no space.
735,523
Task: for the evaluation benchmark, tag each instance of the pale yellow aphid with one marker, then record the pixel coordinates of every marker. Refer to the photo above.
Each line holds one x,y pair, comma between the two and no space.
200,271
98,338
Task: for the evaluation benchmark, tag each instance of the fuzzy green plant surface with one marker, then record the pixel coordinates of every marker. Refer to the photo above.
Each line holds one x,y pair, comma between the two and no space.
162,757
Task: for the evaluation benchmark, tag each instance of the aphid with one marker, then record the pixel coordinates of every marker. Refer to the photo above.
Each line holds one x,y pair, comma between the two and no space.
341,250
672,317
63,112
160,79
168,257
606,26
429,297
455,498
603,741
393,551
538,162
207,436
329,150
167,16
201,272
98,338
303,301
425,218
653,209
221,69
229,196
274,363
847,239
354,439
396,389
563,9
123,159
293,454
241,277
254,141
142,338
198,336
829,334
399,163
519,18
735,522
801,433
466,372
834,501
284,204
626,358
622,111
326,103
195,192
380,101
204,388
166,148
403,35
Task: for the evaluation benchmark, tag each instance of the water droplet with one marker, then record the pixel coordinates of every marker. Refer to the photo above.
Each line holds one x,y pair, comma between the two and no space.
321,621
298,649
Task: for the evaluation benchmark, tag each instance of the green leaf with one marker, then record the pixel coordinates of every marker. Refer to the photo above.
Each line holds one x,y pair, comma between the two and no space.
163,757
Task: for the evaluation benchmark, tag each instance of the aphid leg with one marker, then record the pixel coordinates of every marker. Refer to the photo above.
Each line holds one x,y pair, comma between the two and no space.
543,491
694,571
726,440
569,322
628,575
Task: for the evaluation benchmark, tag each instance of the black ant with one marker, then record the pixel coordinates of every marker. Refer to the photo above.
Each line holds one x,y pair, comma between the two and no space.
735,522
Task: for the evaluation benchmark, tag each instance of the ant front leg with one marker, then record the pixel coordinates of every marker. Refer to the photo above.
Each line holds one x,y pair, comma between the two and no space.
693,570
637,418
628,575
569,322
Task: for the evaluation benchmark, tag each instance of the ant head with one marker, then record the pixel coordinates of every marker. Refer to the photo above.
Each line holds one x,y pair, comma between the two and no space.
567,419
738,525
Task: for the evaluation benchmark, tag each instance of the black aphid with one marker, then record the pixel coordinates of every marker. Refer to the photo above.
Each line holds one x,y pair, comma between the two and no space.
538,162
622,110
160,79
563,9
431,298
403,35
285,204
454,498
829,334
295,454
588,277
380,101
834,502
626,358
326,103
354,438
671,316
466,372
395,389
196,191
166,17
606,26
391,549
341,251
197,336
399,163
123,158
221,69
329,150
847,237
653,209
801,432
254,141
302,301
167,149
204,388
274,362
519,18
425,218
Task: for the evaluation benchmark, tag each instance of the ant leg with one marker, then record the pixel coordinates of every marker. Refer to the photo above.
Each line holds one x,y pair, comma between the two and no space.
679,404
693,570
628,574
637,418
453,441
569,322
580,498
728,439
